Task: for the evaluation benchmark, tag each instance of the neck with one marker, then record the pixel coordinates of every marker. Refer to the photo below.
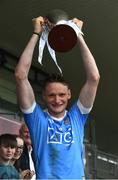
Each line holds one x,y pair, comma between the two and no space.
5,162
57,116
29,147
12,161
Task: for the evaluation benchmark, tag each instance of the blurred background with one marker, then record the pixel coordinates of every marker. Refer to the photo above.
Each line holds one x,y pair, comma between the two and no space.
100,32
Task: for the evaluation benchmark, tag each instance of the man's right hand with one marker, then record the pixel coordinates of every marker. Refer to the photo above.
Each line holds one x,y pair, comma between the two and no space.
38,24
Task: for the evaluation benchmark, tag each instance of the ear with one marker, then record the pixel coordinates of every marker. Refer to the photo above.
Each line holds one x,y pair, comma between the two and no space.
69,93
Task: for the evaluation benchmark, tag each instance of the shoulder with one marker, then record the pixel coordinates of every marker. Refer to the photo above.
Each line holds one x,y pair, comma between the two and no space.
30,109
83,109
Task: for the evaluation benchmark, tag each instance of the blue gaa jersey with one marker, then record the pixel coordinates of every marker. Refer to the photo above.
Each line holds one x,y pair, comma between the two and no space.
57,145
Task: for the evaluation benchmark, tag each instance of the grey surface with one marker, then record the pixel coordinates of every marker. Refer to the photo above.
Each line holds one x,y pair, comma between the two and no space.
100,28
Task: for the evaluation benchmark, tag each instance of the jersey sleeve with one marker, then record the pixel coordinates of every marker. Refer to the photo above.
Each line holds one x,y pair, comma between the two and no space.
83,109
37,124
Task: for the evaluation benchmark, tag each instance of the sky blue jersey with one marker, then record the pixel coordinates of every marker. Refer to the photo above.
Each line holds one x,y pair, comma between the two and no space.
58,145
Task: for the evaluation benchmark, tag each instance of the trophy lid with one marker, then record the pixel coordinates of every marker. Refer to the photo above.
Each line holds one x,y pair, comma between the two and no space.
56,15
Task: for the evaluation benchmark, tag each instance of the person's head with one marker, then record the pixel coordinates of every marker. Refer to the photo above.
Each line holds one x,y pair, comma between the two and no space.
56,94
24,133
8,146
19,148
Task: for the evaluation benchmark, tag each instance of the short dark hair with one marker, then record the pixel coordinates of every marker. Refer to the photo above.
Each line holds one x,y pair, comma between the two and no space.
9,140
54,78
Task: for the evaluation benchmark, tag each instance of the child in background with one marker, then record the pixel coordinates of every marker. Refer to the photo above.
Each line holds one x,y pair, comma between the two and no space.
8,144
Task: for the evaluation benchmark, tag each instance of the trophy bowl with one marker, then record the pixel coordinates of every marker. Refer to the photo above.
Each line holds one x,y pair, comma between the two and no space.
62,37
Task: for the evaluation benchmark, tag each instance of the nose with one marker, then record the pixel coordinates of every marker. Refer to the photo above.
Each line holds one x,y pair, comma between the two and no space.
57,99
9,149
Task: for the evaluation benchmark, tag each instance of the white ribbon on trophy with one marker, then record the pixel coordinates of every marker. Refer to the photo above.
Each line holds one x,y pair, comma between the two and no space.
44,40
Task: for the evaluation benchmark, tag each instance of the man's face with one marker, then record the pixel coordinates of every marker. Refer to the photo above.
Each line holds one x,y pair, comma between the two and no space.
56,96
26,136
19,148
6,152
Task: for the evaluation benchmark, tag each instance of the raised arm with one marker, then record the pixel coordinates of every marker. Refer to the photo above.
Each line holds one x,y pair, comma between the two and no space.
88,91
24,90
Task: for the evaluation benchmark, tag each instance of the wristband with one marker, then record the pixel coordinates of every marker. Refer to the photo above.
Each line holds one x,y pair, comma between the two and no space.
38,34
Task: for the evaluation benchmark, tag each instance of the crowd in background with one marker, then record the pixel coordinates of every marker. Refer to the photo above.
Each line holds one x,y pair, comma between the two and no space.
16,155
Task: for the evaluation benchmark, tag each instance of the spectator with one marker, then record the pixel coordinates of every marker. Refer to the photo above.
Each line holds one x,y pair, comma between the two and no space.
26,174
26,160
8,146
18,151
